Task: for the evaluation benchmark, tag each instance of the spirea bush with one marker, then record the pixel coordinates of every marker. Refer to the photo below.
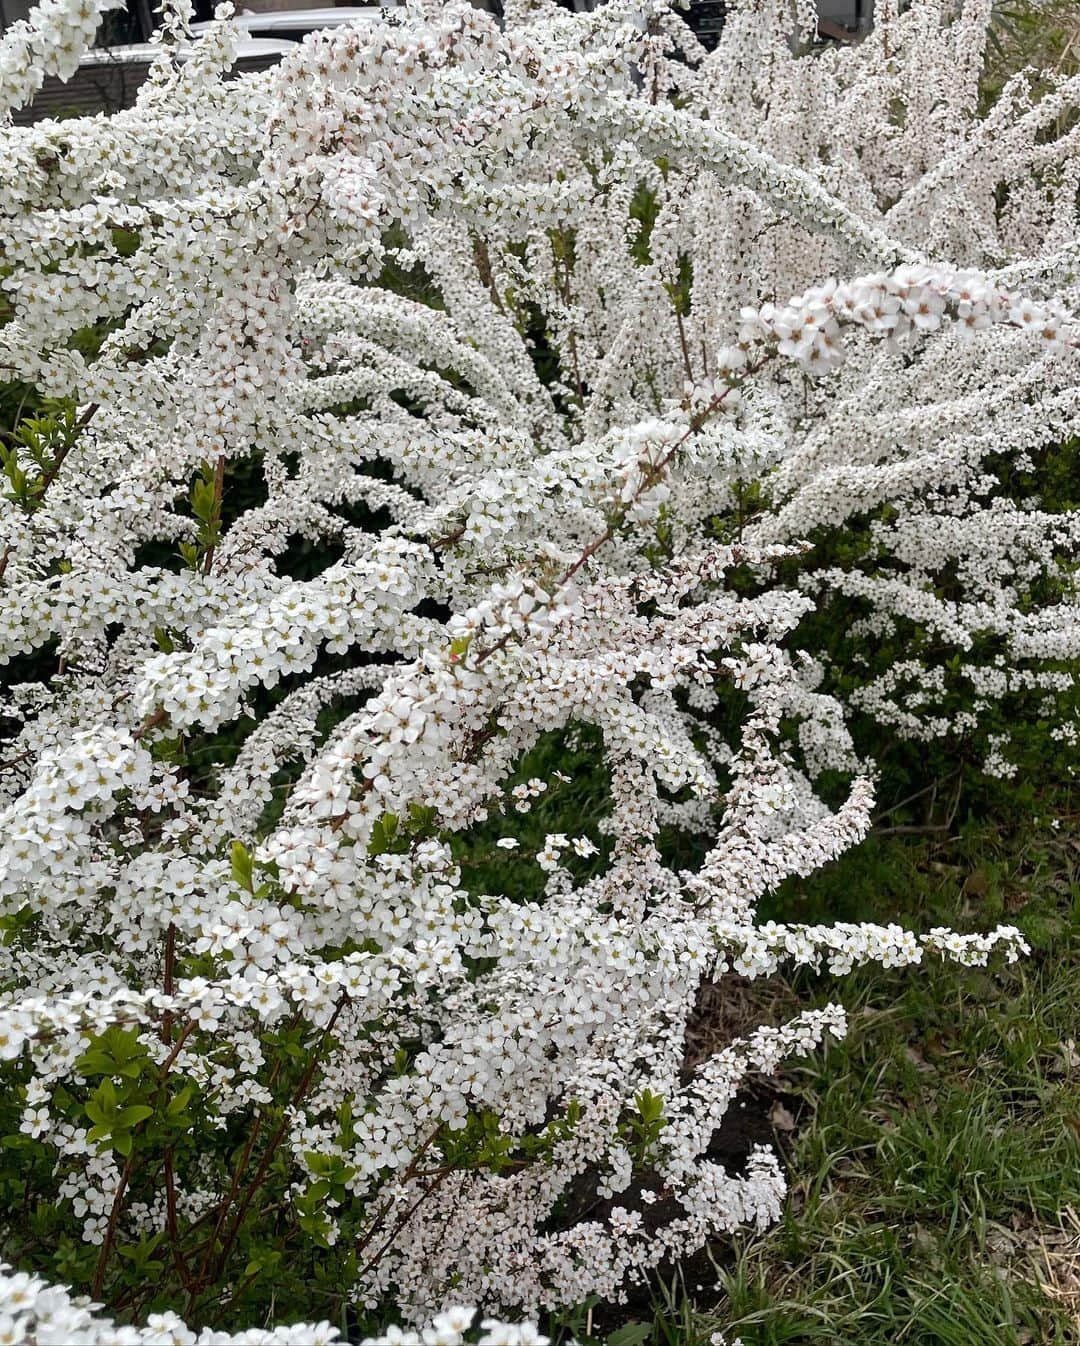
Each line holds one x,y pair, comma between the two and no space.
463,394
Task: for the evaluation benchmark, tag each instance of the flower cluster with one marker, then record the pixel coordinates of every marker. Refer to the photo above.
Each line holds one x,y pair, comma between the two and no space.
34,1314
50,42
467,393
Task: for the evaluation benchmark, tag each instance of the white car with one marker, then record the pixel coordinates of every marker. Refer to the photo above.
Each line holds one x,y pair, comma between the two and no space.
142,53
293,25
109,77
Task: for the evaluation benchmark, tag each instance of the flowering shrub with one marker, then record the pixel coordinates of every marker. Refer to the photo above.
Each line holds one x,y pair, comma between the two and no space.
34,1314
462,389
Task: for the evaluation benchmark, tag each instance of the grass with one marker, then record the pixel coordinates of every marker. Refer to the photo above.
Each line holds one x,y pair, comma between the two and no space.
935,1165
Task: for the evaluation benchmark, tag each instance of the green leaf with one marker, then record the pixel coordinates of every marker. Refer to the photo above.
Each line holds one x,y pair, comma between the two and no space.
132,1116
630,1334
94,1062
242,867
650,1106
96,1113
179,1104
421,816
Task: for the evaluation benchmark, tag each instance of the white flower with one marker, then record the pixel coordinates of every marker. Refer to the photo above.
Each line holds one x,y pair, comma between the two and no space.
412,461
454,1320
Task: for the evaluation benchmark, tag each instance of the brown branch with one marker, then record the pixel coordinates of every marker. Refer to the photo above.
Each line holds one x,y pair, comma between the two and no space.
220,1213
275,1140
151,722
54,468
410,1172
110,1232
15,761
404,1219
171,1223
178,1045
483,266
687,366
648,480
448,539
125,1176
69,443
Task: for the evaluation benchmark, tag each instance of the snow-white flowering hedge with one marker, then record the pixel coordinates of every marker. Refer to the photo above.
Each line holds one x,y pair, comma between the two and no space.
521,339
35,1314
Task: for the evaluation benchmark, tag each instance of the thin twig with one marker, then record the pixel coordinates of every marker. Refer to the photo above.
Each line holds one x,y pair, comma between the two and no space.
400,1224
110,1231
151,722
15,761
911,798
69,443
687,366
410,1172
275,1140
